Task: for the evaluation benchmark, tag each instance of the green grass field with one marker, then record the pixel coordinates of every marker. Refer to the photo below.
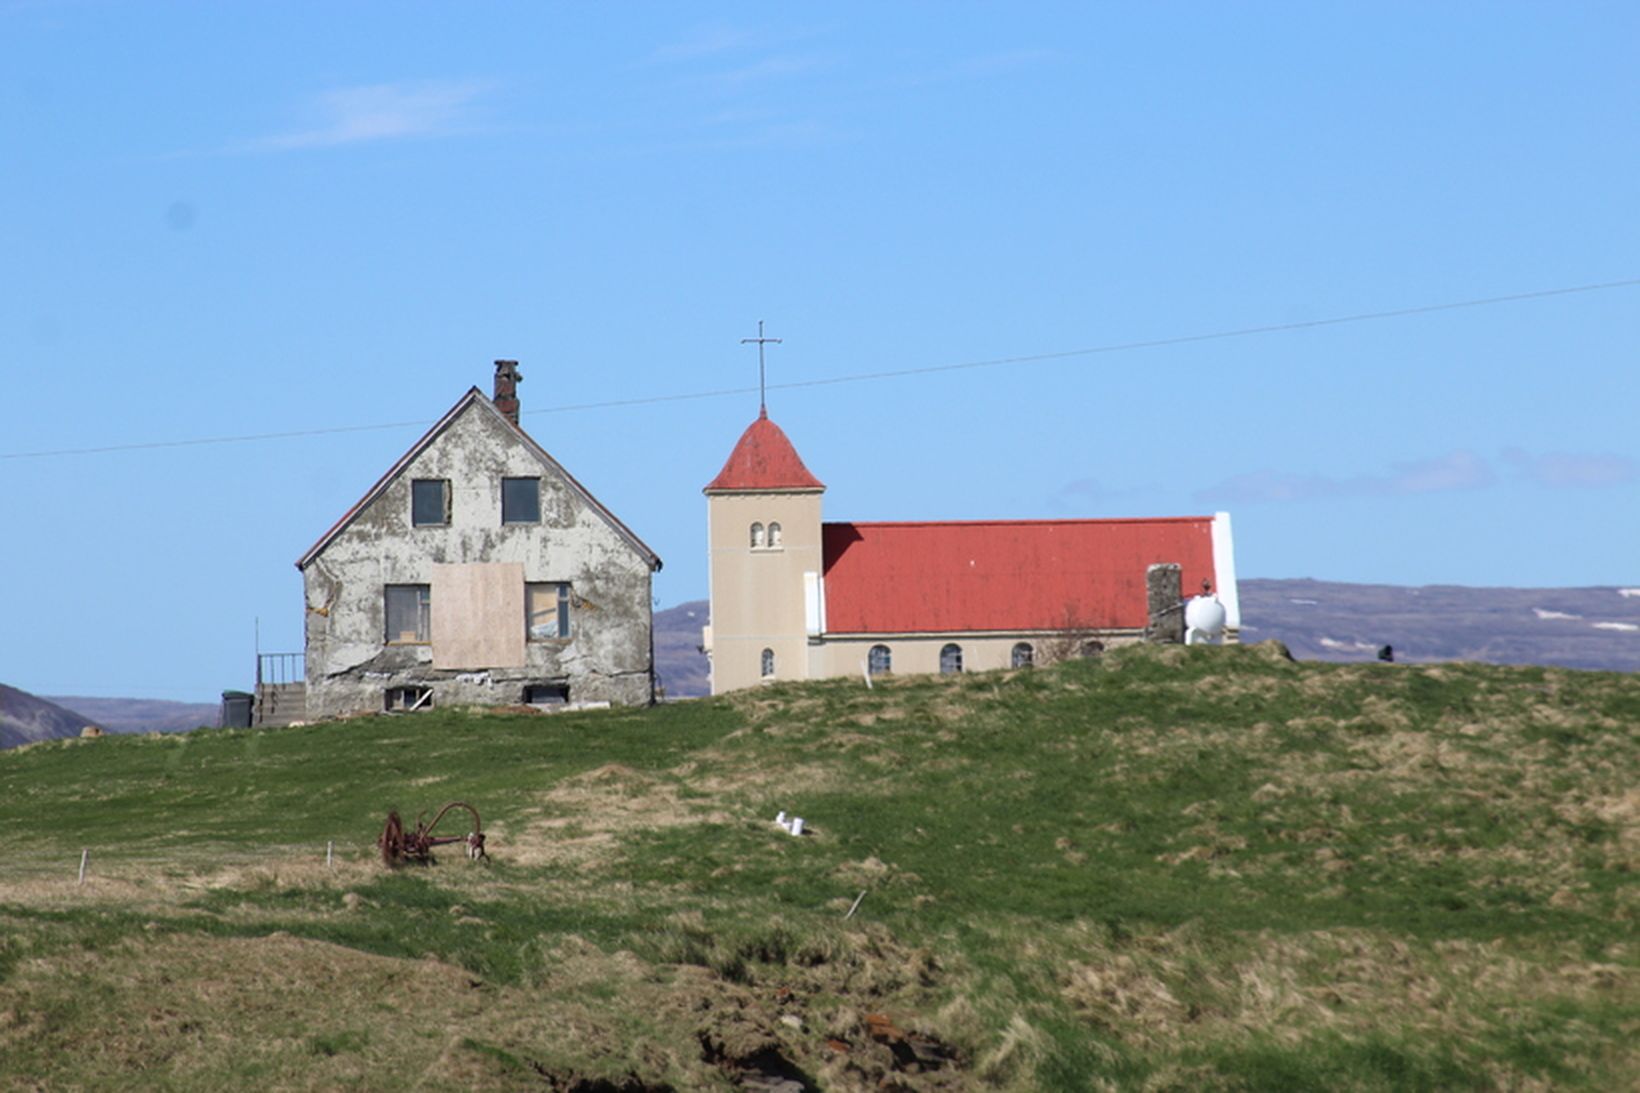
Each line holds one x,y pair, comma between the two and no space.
1170,869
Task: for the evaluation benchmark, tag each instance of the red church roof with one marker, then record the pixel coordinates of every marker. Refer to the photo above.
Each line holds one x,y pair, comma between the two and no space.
896,578
764,459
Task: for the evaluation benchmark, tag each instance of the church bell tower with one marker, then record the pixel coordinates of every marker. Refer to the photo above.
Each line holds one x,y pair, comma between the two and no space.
763,531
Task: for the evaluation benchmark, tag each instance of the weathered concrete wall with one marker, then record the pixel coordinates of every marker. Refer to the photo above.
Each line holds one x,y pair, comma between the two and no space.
608,654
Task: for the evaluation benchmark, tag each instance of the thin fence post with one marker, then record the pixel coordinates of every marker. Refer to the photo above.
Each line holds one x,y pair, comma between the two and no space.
85,859
330,853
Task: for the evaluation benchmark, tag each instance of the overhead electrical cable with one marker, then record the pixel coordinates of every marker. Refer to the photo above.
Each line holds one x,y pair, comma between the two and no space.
863,377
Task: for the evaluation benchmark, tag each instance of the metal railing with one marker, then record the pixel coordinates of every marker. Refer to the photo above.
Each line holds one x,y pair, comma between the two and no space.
276,669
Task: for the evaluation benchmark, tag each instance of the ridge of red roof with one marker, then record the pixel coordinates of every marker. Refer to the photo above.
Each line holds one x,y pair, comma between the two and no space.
1004,575
763,459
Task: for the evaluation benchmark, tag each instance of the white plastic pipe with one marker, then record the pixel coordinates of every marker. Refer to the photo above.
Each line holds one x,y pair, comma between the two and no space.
797,825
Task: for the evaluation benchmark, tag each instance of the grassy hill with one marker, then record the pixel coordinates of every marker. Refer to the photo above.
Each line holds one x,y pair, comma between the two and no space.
1170,869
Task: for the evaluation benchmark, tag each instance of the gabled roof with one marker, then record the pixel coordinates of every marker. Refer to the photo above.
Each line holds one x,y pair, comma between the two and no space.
1004,575
764,459
476,399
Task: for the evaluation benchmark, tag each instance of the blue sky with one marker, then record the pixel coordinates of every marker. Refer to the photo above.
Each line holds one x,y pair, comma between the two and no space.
227,220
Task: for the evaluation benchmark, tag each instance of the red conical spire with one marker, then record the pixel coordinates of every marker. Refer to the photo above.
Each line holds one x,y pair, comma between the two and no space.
764,459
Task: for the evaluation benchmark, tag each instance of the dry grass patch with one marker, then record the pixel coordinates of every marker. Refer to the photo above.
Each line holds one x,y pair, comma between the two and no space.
590,812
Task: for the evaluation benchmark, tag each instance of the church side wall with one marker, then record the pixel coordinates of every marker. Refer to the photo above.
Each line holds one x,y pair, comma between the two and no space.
918,654
607,657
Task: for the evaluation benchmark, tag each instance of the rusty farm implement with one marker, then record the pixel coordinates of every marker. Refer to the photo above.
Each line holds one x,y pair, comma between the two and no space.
400,847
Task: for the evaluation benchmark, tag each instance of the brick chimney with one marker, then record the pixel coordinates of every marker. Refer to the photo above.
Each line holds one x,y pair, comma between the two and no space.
507,379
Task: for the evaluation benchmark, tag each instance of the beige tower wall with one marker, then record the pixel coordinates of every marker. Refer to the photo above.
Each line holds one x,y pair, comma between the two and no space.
757,594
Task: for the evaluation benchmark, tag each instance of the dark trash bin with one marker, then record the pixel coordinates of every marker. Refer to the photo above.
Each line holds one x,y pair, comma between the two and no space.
236,709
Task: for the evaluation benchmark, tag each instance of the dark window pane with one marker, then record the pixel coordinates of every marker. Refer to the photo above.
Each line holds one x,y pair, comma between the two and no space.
1024,656
879,660
408,613
428,502
951,659
520,500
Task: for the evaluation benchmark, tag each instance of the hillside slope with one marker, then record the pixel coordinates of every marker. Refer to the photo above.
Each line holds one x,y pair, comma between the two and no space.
1169,869
26,718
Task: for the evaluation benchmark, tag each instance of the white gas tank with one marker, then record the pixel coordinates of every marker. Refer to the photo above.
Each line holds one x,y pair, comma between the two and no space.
1204,619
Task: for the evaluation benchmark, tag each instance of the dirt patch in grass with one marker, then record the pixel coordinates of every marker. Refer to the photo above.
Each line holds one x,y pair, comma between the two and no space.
204,1012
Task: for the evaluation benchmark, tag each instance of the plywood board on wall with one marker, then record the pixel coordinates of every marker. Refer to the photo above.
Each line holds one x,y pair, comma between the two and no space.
478,616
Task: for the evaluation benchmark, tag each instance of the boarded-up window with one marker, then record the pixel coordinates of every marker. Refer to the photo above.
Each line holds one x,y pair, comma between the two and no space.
408,614
475,616
546,611
520,500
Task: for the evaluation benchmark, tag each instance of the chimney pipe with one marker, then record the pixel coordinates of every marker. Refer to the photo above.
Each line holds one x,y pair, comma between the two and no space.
507,379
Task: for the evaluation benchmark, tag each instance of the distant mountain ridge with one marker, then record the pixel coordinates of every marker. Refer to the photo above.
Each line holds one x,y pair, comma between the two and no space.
143,714
26,718
1590,628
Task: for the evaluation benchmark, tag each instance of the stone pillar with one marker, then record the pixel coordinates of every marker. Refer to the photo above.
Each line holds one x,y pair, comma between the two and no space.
1164,596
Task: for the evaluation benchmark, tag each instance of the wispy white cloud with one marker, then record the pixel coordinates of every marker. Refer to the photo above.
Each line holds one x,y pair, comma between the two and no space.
1461,470
703,42
1561,470
1085,493
355,115
779,66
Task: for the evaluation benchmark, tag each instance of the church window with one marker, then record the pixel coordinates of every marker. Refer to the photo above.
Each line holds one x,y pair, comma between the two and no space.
774,535
880,660
768,663
950,659
1023,656
757,537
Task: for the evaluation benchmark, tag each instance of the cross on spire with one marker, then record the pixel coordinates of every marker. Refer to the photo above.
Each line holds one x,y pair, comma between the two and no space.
762,386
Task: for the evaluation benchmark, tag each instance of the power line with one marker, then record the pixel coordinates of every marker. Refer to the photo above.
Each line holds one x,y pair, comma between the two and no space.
863,377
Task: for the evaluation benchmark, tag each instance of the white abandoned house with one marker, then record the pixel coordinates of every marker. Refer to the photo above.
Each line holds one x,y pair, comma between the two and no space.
476,572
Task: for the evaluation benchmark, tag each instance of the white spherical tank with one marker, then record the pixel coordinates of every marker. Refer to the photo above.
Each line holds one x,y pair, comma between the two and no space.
1204,619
